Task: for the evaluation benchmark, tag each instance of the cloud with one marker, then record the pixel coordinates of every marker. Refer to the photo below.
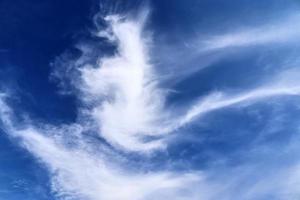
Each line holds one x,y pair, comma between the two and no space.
219,100
81,174
208,49
80,171
282,31
131,104
5,112
123,102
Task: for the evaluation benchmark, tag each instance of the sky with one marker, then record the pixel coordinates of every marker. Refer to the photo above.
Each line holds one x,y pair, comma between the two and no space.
149,100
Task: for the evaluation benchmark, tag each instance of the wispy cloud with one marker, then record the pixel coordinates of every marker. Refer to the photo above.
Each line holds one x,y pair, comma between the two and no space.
219,100
281,31
207,49
131,104
125,104
83,174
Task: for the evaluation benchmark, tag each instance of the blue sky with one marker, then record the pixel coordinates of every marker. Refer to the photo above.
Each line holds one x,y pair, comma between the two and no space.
140,100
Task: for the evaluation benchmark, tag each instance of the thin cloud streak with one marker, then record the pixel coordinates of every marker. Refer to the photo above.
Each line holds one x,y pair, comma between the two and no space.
284,31
203,52
219,100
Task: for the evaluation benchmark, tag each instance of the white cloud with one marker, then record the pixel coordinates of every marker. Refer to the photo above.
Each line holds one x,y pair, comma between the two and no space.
77,172
5,111
282,31
80,172
285,83
123,99
130,108
219,100
131,104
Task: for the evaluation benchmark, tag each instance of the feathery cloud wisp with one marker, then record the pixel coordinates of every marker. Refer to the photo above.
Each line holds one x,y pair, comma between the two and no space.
284,31
131,104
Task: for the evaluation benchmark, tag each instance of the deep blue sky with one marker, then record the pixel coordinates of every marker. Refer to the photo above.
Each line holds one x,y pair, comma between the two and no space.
35,33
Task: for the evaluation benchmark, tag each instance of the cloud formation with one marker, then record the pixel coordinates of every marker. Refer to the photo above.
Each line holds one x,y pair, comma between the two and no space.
279,32
131,104
125,105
